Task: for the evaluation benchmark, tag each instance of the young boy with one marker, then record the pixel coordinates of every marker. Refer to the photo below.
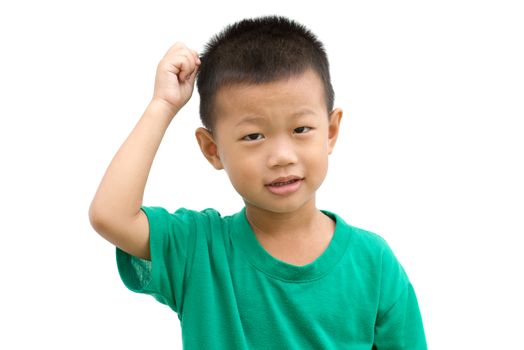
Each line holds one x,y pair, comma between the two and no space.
280,274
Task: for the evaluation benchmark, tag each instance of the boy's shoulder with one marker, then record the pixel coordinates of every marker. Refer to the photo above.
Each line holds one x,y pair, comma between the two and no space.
358,234
182,221
364,245
181,213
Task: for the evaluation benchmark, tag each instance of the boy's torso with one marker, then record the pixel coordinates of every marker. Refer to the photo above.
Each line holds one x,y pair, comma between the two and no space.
318,299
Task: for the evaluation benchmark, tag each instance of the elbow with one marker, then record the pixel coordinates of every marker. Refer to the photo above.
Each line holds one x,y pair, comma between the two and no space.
96,218
102,224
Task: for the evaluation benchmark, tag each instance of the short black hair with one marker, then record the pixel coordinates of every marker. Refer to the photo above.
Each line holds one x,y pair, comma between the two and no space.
256,51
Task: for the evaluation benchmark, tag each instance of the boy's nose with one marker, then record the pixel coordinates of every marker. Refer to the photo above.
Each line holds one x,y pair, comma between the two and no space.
281,153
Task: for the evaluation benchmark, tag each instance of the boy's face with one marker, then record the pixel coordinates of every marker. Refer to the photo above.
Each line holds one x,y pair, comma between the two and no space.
273,140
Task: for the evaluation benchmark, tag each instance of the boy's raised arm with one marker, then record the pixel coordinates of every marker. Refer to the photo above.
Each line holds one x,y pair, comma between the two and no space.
115,210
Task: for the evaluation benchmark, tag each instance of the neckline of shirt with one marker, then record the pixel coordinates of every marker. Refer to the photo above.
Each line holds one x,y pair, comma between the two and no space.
260,258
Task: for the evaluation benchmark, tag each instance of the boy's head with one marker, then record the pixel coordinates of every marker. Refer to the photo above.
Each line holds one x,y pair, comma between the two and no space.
256,51
267,107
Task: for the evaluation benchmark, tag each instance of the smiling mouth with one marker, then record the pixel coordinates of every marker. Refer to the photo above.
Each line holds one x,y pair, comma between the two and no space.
285,186
284,181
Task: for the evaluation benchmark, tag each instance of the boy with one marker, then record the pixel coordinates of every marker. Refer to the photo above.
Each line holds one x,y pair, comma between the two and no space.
280,273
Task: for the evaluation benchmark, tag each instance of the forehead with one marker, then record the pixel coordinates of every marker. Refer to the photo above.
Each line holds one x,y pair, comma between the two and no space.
281,98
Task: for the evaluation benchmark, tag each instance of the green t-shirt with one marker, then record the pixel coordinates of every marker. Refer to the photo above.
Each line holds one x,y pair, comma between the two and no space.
230,293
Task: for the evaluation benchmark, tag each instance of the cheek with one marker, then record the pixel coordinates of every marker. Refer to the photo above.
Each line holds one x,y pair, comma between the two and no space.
320,164
241,169
317,159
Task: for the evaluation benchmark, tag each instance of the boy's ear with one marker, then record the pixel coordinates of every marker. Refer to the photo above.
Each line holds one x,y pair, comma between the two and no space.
208,147
334,126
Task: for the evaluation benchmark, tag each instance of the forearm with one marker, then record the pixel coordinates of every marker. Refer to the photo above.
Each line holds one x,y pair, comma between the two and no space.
121,191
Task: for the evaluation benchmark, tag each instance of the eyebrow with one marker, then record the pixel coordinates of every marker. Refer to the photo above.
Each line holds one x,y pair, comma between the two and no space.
261,120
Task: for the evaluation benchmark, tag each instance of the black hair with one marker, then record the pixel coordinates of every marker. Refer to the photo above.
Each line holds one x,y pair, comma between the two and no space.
256,51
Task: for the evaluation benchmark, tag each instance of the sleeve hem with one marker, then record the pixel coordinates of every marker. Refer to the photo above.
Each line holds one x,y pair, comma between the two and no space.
139,274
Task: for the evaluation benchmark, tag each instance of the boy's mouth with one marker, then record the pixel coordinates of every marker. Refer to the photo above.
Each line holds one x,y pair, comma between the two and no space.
284,185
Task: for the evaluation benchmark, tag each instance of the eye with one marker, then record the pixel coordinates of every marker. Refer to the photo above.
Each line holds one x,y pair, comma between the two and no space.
253,137
302,129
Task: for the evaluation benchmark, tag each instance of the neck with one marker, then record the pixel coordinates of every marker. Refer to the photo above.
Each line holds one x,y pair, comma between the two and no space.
291,225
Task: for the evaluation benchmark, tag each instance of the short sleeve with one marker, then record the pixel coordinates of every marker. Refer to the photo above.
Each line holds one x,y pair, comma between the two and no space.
399,322
172,237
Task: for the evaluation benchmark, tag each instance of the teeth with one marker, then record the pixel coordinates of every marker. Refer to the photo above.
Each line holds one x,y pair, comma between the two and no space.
282,183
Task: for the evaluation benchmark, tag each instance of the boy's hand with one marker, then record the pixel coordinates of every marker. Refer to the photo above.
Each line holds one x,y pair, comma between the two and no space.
175,77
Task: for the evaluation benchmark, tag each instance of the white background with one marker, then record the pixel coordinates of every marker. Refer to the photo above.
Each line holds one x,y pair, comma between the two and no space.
430,156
